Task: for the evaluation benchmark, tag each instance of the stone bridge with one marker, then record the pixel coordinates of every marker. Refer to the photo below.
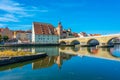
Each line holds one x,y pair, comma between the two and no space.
103,40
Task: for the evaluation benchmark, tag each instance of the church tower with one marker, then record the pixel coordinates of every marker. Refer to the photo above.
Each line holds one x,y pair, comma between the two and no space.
59,29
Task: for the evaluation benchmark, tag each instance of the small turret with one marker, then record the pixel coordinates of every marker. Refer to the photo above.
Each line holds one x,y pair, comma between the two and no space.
59,23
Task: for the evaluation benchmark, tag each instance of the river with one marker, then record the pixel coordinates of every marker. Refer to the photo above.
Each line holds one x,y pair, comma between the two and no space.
66,63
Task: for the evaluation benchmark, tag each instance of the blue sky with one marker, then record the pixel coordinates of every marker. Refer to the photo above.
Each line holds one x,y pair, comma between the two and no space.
91,16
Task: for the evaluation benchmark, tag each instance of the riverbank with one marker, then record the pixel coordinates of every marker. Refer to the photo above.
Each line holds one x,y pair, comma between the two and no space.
35,45
17,59
27,45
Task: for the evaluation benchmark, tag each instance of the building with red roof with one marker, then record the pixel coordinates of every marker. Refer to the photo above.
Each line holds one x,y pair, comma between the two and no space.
6,32
44,33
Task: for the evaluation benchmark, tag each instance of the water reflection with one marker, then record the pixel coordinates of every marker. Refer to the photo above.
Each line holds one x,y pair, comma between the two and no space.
18,65
49,61
54,57
115,51
58,55
106,53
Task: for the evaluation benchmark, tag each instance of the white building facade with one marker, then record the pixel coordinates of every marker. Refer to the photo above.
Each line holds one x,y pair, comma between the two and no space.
47,39
23,36
43,33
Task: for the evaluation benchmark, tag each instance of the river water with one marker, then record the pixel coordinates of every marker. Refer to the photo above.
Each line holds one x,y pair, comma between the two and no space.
66,63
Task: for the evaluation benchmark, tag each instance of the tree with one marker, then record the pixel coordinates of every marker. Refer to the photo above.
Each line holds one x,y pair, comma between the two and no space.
0,38
5,38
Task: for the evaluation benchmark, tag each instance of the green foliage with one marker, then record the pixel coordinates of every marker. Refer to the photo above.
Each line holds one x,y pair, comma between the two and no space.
0,38
5,38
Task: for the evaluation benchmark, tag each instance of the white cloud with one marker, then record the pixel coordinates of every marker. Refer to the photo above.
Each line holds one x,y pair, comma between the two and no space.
8,17
14,7
5,19
11,7
15,10
2,25
36,9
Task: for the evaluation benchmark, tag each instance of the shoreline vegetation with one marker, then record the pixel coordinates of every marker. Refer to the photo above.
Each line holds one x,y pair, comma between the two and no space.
10,53
9,57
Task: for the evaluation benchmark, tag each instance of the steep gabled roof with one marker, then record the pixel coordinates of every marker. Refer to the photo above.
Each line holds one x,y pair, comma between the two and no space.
43,28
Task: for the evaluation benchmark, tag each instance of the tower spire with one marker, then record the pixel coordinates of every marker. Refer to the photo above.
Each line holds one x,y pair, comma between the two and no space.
59,23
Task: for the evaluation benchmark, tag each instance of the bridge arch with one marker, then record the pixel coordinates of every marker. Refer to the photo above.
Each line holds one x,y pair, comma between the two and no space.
75,42
75,48
63,48
93,42
113,40
93,50
63,43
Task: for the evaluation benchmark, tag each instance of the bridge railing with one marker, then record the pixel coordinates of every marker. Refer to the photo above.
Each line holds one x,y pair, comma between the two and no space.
92,36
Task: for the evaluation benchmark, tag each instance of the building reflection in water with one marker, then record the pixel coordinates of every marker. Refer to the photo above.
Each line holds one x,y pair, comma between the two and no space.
59,61
18,65
54,57
58,55
51,51
51,60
